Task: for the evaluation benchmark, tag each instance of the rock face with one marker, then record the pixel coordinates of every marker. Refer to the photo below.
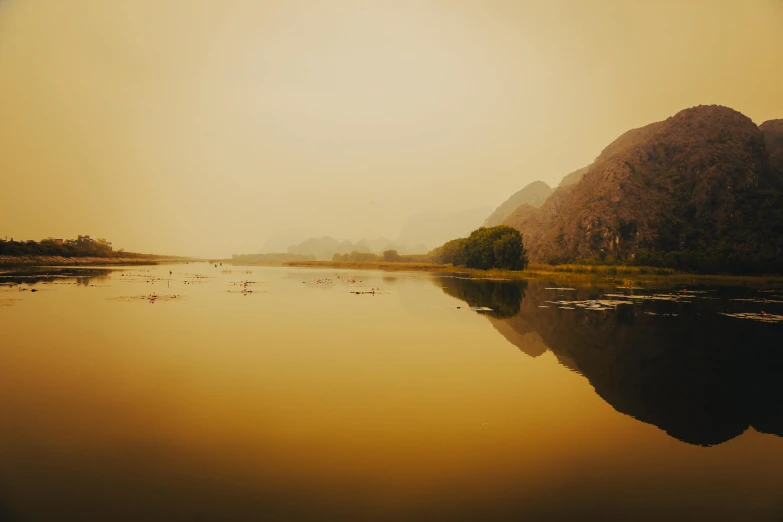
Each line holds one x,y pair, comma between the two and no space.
574,178
535,223
702,186
773,141
533,194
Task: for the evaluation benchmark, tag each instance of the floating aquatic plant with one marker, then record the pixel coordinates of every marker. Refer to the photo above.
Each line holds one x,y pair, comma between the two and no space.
763,317
593,304
152,298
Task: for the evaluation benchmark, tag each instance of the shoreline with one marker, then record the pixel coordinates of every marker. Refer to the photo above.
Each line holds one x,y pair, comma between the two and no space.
596,273
538,271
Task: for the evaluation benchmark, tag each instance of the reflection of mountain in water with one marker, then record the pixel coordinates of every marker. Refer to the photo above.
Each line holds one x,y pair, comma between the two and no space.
702,377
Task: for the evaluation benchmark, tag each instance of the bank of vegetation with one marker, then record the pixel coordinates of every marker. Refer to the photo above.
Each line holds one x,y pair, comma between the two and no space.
82,250
388,256
499,252
269,259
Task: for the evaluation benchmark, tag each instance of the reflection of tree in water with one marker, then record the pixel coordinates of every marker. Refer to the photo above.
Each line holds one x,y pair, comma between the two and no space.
92,277
33,275
701,377
503,297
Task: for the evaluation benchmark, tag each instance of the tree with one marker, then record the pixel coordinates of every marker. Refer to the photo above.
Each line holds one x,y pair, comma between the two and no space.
453,252
510,253
485,248
391,256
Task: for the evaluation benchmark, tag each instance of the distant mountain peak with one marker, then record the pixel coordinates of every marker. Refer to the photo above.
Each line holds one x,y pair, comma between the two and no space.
533,194
574,177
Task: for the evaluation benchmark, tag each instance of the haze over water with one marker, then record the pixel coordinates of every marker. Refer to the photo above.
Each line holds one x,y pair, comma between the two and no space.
293,398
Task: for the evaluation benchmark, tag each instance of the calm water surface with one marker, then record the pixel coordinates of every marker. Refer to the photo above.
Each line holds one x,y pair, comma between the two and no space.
293,397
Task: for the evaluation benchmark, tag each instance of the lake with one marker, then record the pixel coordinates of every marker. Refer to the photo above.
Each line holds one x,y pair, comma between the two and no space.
200,393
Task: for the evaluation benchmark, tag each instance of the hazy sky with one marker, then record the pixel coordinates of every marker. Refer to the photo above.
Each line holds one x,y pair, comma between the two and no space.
201,127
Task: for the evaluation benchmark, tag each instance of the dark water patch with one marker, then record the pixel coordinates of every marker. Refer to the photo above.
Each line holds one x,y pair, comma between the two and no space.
35,275
682,361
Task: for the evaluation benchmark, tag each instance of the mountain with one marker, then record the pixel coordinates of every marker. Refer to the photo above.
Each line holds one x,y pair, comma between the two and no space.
378,245
574,177
699,190
322,248
281,240
432,229
773,141
533,194
534,222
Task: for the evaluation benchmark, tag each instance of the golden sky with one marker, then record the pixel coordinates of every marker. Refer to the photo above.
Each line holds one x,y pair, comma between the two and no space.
201,127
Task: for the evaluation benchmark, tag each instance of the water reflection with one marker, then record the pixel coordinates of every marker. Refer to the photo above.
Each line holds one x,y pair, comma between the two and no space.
37,275
503,298
306,402
678,364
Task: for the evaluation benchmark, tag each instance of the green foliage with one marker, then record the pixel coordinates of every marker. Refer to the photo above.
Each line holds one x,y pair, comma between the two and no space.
485,248
391,256
749,242
453,252
626,229
82,246
596,239
356,257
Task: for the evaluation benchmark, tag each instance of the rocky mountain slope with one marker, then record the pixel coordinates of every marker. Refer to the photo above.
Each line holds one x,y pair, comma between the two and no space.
533,194
700,190
773,141
574,177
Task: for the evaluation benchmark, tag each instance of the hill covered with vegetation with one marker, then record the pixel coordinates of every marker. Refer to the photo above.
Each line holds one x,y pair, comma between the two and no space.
701,191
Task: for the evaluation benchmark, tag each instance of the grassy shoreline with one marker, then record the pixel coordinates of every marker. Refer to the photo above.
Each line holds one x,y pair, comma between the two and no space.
628,274
541,271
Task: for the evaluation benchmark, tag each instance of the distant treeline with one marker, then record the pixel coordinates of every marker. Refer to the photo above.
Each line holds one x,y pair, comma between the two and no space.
82,246
388,256
270,259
